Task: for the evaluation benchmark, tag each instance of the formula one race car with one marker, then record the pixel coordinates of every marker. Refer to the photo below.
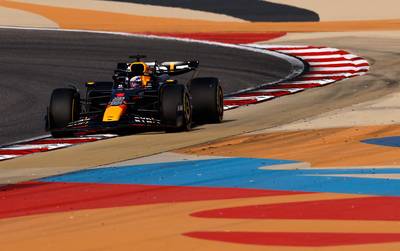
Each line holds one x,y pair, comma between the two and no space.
143,95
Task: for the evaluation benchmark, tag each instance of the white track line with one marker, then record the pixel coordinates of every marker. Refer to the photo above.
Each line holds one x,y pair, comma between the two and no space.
5,157
32,147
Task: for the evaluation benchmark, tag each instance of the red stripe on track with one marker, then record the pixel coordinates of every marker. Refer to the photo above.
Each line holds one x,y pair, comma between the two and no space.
336,78
337,72
357,58
61,141
272,93
327,59
30,198
297,239
368,208
22,152
322,53
288,86
340,65
240,102
294,48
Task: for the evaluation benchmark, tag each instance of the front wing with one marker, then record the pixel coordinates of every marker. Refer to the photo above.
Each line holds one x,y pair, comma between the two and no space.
94,125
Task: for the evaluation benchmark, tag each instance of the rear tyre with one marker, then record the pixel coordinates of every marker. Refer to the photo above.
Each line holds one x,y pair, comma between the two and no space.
64,108
207,100
175,108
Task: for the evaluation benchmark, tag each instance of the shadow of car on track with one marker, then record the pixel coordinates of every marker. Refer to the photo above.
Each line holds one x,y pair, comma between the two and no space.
155,131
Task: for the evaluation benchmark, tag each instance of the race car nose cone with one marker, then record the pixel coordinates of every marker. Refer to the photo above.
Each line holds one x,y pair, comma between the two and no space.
113,113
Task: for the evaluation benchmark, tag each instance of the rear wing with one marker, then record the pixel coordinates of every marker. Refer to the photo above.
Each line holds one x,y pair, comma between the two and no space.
177,67
171,68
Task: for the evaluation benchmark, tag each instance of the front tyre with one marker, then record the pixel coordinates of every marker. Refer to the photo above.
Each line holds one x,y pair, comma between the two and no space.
175,108
64,108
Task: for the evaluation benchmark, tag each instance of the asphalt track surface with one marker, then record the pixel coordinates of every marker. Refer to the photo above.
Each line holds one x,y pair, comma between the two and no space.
250,10
33,63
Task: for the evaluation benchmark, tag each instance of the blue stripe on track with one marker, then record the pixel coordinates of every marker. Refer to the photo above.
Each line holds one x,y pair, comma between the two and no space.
386,141
240,173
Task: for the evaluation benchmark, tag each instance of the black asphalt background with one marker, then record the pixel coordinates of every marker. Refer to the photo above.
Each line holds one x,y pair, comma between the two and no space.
33,63
250,10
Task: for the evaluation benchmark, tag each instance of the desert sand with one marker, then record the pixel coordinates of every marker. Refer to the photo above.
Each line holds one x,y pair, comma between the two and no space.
344,10
72,18
8,17
135,9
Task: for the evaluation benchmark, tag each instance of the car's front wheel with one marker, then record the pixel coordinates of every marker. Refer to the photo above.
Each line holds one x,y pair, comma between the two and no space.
64,108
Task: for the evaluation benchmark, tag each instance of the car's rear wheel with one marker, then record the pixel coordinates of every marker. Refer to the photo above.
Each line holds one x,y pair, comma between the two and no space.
64,108
175,108
207,100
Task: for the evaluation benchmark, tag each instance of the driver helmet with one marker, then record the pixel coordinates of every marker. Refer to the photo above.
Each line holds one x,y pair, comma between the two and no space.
135,82
139,68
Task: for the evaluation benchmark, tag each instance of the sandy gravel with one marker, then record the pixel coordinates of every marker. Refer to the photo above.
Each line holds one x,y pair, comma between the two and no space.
382,111
15,17
135,9
341,10
71,18
338,147
349,10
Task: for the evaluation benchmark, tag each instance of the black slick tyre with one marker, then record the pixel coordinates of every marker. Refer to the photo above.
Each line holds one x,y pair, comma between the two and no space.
175,108
64,108
207,100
